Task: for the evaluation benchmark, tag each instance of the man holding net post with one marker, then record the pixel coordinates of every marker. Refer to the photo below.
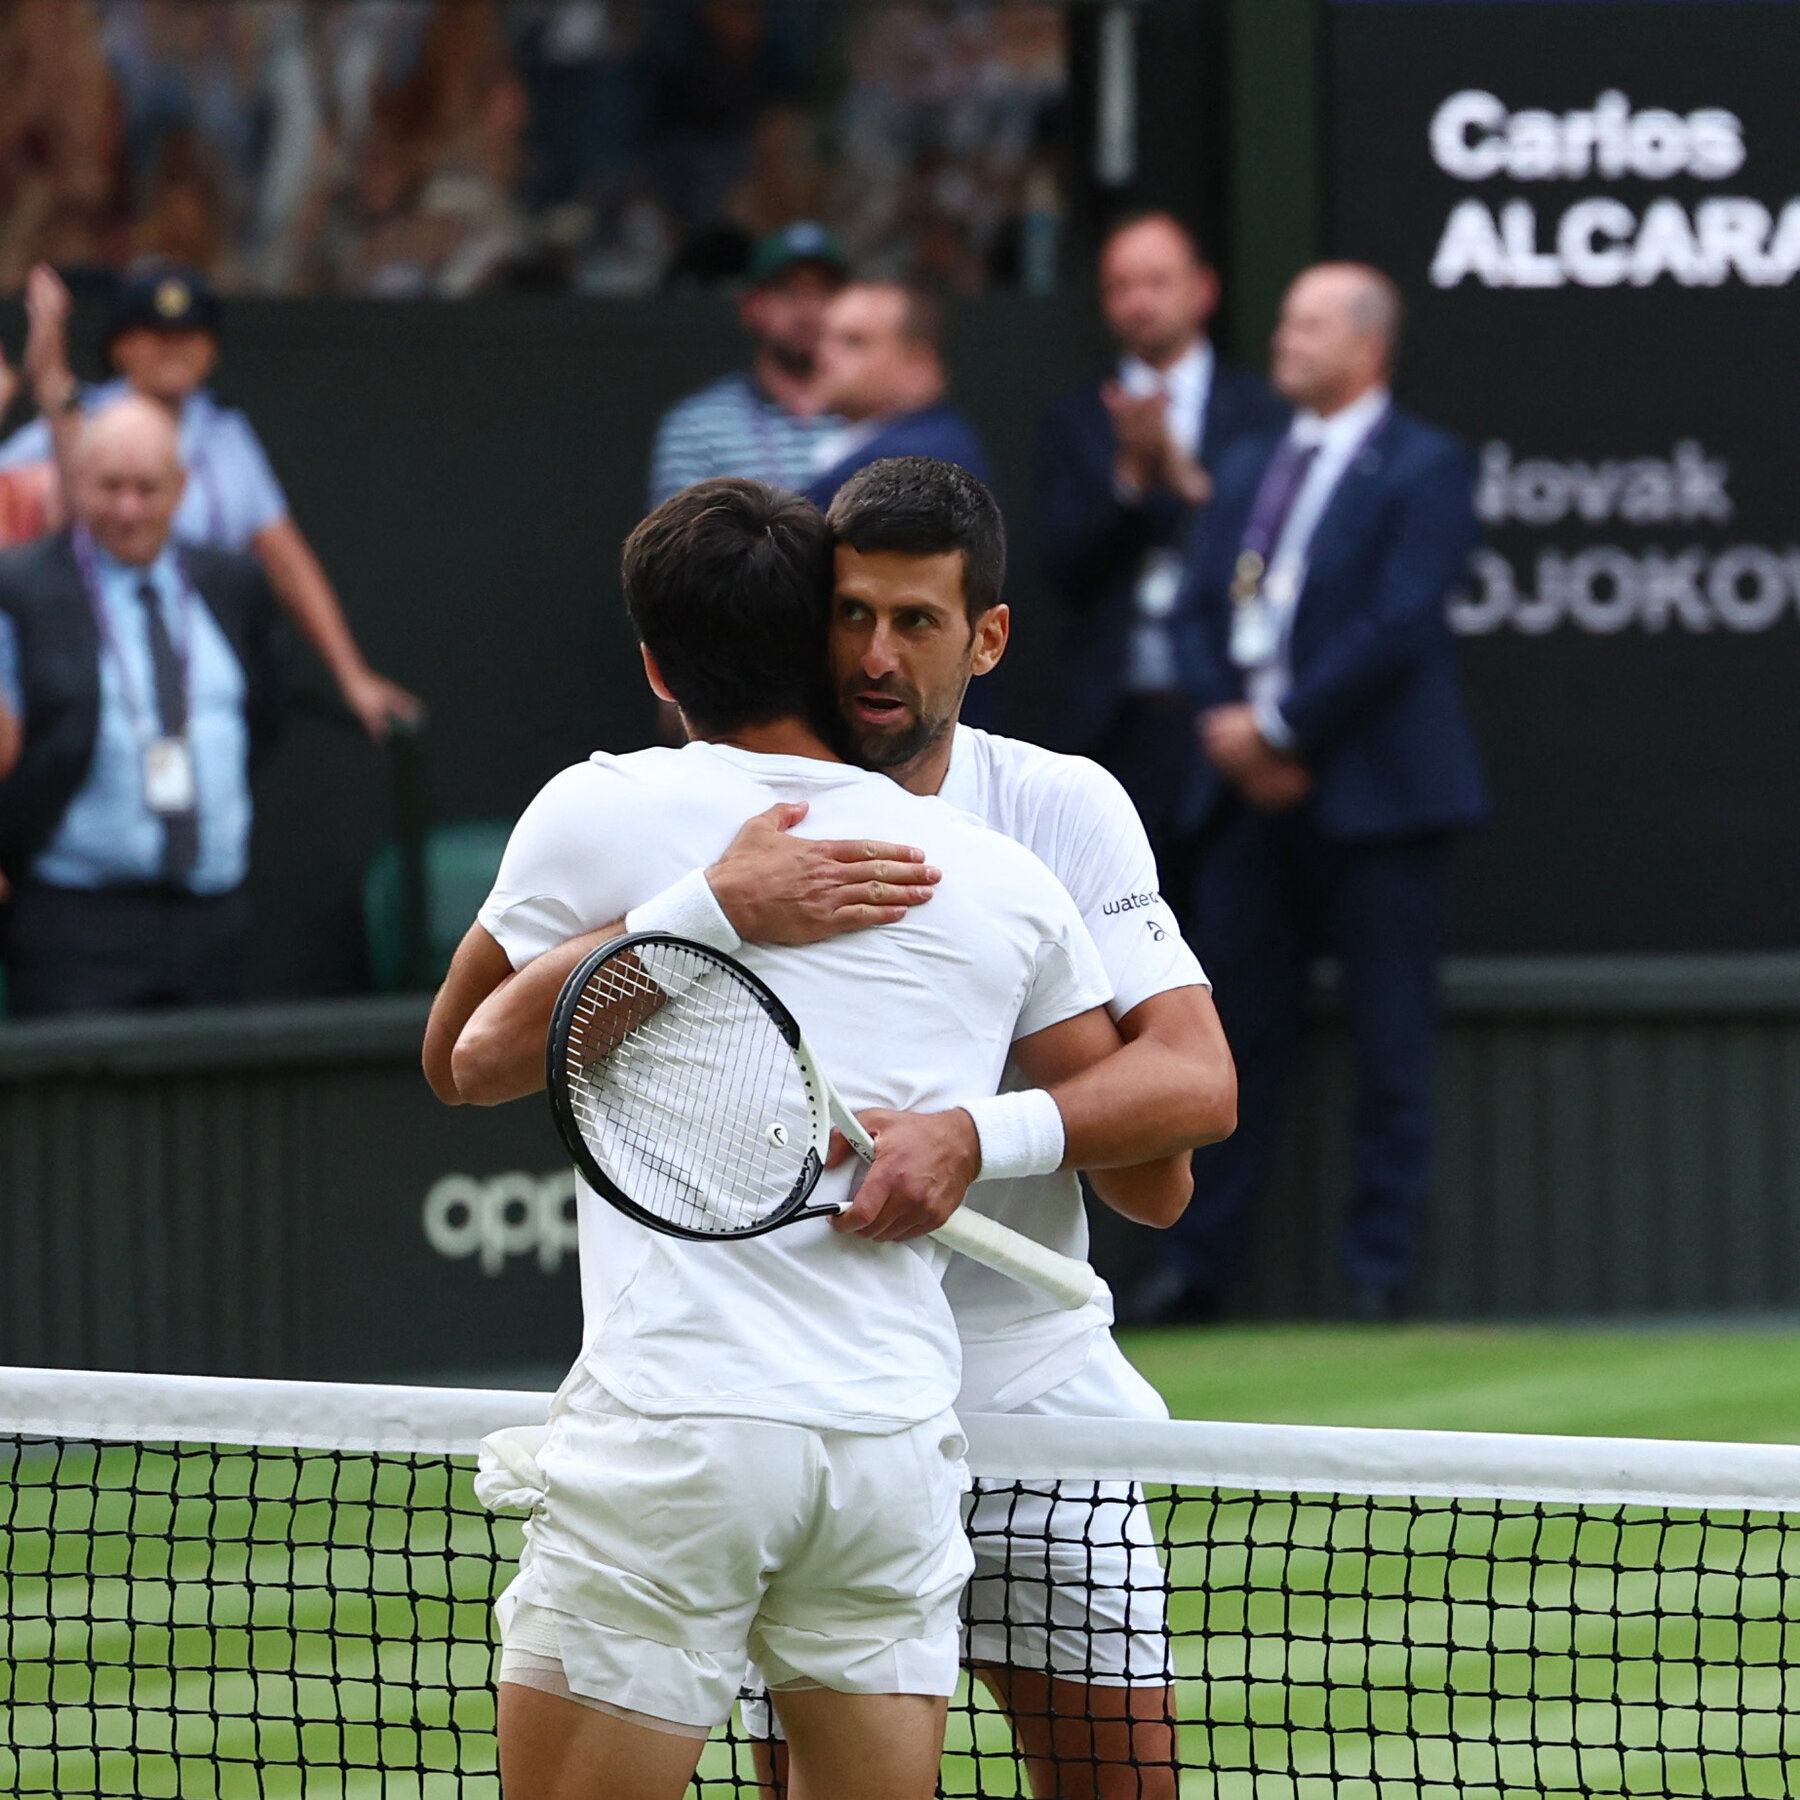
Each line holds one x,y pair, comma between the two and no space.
756,1450
920,559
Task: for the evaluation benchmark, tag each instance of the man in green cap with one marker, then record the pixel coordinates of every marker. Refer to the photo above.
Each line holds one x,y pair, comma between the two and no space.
765,421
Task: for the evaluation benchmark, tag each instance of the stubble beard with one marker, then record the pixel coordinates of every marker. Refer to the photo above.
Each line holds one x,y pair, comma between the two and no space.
890,752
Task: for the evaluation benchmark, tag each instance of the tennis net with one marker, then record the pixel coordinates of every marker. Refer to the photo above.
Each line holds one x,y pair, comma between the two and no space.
243,1588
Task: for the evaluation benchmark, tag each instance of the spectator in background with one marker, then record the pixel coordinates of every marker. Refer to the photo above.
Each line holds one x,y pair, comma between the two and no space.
1316,654
716,68
881,366
947,125
766,422
1122,473
63,188
438,202
183,220
162,337
143,676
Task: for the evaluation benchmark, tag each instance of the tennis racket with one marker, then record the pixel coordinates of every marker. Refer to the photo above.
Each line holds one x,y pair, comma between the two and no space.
687,1097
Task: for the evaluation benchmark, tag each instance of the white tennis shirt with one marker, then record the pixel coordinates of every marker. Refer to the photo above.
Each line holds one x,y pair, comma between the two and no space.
1080,823
806,1324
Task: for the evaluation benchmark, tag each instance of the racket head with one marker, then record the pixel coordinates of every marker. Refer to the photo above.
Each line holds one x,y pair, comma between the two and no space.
681,1090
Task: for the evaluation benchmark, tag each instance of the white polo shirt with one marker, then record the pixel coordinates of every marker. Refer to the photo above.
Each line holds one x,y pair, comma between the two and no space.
1079,821
806,1324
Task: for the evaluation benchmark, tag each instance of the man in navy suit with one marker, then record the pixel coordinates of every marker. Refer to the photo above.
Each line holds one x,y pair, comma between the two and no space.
881,369
1321,674
1123,468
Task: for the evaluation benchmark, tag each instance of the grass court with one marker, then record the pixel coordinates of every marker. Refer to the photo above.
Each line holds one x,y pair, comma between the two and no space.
301,1626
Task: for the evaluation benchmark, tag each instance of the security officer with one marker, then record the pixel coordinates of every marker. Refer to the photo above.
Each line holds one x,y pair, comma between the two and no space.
162,336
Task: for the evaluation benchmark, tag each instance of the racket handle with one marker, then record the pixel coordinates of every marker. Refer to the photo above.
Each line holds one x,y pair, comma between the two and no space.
1069,1283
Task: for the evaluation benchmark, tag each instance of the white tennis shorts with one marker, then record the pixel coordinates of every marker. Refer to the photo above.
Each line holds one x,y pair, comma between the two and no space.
674,1550
1068,1578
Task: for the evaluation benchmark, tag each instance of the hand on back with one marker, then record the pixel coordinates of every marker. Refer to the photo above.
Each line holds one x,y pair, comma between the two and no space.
776,888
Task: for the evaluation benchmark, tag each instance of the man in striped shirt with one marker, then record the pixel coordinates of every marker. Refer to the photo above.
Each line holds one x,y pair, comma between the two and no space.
765,421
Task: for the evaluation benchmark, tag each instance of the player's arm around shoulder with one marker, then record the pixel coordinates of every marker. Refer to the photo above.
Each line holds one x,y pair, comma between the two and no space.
484,1044
1152,1191
479,1046
1173,1086
478,967
1134,1150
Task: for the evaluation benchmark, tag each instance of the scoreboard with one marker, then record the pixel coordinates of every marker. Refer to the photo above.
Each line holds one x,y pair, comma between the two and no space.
1593,210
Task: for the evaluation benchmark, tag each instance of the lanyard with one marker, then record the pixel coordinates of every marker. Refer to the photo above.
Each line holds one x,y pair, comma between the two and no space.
109,643
1344,467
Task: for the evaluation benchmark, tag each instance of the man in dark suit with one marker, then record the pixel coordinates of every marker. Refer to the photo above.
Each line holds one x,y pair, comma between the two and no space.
142,675
881,369
1123,468
1319,665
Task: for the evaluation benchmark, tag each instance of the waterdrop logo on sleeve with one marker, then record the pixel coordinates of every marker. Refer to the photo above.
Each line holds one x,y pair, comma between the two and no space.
502,1219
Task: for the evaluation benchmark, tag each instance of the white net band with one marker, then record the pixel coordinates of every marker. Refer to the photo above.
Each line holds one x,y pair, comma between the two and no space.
1302,1459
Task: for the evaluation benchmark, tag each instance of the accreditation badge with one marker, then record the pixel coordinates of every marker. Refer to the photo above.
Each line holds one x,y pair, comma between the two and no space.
1255,633
169,776
1159,584
1246,577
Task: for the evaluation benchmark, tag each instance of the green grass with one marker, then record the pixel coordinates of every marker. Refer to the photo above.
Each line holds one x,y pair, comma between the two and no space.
1726,1386
309,1628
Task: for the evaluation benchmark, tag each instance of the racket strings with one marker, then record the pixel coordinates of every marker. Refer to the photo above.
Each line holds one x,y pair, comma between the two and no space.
648,1116
687,1093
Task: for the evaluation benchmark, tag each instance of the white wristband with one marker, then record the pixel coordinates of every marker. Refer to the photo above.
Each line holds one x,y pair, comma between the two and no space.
689,909
1021,1134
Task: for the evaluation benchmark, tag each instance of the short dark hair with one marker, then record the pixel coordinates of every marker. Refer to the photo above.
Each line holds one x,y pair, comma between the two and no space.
728,584
922,316
922,506
1155,215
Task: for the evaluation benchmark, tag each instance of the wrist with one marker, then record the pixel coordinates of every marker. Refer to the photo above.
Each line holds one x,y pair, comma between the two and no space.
1020,1134
689,909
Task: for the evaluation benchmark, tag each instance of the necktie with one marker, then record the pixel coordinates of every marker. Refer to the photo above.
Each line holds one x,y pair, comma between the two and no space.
181,839
1281,484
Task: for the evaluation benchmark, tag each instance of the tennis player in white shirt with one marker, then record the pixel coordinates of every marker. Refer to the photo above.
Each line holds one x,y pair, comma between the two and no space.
756,1452
920,560
1065,1615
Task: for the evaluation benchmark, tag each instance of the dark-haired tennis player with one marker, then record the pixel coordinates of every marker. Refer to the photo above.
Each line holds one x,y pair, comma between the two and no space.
755,1454
1081,1659
1065,1615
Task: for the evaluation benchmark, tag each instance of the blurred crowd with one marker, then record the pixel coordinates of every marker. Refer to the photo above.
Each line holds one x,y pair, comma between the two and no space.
445,147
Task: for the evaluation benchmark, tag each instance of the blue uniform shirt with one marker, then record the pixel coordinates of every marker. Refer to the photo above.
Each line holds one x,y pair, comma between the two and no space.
109,835
231,493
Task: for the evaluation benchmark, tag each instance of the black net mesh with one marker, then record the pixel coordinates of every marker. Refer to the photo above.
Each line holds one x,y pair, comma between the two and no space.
201,1621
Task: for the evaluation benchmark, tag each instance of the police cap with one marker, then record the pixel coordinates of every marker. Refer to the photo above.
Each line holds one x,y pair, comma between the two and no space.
162,297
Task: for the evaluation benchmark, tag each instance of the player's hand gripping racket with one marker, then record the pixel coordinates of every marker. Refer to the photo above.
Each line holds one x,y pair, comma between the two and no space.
688,1098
